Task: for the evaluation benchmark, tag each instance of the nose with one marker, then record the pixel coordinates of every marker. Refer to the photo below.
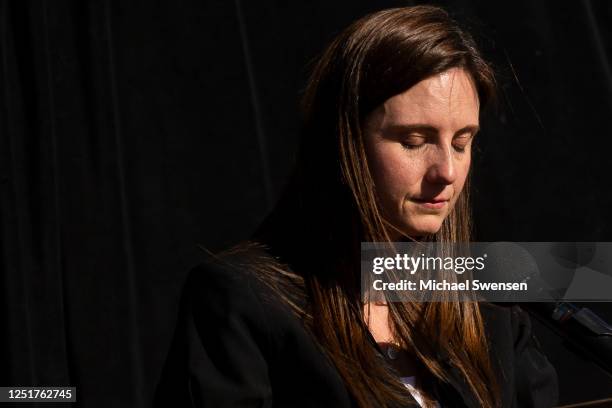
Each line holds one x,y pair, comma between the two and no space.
442,168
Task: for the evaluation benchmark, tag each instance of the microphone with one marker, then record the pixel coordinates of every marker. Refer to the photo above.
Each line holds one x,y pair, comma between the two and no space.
579,326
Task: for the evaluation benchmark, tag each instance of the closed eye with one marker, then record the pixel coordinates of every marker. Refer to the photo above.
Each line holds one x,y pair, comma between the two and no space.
460,143
413,142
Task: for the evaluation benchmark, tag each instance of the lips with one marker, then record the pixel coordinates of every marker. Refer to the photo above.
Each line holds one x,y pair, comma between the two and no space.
430,200
431,203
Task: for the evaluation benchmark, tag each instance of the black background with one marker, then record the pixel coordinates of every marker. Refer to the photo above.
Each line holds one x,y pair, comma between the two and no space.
132,130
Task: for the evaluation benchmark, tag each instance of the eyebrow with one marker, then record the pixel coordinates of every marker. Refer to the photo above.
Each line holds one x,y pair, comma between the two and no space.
473,129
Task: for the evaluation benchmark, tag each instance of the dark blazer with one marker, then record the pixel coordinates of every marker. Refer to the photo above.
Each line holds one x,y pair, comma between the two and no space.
235,346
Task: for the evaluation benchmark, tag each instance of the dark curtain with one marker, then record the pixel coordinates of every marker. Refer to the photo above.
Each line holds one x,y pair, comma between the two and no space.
131,131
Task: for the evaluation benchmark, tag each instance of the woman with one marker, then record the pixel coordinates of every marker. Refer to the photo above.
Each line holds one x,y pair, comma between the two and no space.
390,113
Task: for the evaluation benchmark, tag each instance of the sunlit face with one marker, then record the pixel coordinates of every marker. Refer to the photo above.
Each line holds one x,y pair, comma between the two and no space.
418,145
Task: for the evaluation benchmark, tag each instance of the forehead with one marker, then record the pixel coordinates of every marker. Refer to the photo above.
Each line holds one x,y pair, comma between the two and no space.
445,100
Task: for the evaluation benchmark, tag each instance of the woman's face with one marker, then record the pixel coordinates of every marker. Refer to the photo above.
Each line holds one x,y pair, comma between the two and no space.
418,145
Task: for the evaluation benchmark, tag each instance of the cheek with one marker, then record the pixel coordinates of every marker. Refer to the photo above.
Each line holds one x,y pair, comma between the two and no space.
395,174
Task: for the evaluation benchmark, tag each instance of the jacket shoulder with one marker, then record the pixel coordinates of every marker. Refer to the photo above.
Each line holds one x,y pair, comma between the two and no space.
218,279
238,344
221,346
230,288
224,289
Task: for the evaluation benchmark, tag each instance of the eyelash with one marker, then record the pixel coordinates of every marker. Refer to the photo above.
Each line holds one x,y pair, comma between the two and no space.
412,147
416,147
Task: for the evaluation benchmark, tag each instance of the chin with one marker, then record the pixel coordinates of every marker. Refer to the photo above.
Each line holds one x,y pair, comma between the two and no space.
423,227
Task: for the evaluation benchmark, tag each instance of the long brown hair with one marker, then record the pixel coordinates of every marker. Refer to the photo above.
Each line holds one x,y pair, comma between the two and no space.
330,206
